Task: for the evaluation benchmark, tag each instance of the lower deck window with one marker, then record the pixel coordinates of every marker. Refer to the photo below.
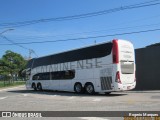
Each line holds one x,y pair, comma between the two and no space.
42,76
58,75
62,75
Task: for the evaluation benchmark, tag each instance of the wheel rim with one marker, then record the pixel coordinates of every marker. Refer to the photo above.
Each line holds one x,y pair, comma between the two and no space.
89,88
78,88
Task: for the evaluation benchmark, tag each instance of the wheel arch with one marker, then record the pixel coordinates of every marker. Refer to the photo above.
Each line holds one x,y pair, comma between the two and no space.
88,83
77,83
39,83
33,83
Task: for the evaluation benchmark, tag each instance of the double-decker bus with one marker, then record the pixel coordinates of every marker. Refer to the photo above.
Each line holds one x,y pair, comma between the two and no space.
104,67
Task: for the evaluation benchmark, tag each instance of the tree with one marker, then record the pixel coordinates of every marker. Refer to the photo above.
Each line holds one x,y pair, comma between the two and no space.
11,63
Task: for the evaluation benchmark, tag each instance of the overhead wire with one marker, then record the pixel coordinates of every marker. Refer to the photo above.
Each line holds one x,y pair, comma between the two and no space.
14,43
91,37
25,23
95,31
92,14
4,37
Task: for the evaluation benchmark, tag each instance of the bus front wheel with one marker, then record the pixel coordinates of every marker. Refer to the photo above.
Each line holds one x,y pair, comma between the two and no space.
78,88
34,86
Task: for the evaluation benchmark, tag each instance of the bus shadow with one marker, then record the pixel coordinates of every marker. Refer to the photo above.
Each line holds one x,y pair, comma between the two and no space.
143,91
64,93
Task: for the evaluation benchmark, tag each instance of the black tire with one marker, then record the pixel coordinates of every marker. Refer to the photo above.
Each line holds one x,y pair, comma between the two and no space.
89,88
34,86
78,88
107,93
39,86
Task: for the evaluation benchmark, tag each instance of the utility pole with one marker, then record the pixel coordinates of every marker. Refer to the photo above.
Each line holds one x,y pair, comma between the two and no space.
95,42
30,53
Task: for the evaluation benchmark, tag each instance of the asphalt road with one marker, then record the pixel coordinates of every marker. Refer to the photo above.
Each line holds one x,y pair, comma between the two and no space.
20,99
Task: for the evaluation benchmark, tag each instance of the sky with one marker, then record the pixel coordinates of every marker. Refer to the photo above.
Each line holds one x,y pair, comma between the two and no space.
114,23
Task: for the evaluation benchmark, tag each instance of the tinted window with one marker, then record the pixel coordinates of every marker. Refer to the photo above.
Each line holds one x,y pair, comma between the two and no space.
96,51
59,75
62,75
42,76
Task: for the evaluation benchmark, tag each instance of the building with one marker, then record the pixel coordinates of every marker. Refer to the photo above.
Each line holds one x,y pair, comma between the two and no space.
148,67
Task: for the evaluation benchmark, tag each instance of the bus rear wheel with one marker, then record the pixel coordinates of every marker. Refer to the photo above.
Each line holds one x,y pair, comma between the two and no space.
39,86
78,88
89,88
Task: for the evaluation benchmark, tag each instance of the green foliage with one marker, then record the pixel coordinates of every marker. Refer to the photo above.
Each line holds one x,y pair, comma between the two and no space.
7,84
11,64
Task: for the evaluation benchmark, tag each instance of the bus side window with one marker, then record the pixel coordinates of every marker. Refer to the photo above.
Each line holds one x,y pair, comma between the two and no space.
62,75
35,77
69,74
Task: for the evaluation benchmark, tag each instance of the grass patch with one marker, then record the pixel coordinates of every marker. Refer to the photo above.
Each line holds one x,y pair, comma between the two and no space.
7,84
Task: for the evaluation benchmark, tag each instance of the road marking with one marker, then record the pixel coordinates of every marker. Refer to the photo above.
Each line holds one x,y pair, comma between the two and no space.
71,97
93,118
53,96
83,97
1,98
25,95
97,100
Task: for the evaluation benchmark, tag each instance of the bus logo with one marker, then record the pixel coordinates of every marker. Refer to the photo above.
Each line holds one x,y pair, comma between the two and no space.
6,114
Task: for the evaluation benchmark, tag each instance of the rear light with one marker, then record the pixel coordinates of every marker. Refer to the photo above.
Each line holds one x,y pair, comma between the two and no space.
115,52
118,77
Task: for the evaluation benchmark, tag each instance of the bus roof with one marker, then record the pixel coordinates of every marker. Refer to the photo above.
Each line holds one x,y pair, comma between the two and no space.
87,52
75,49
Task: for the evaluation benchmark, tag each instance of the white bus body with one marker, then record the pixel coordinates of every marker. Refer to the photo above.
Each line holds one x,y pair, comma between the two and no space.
104,67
